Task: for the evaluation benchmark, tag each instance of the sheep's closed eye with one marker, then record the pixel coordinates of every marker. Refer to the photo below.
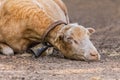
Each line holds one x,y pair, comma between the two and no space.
70,39
75,41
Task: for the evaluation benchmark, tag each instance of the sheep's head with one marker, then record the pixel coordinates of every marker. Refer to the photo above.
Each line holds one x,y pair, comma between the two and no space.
73,41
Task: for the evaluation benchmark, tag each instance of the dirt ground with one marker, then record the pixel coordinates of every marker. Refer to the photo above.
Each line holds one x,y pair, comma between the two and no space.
104,16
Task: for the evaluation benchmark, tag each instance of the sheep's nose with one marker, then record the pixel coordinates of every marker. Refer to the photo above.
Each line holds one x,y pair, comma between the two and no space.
95,55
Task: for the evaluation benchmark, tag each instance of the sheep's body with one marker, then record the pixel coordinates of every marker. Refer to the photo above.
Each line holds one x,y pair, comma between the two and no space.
22,22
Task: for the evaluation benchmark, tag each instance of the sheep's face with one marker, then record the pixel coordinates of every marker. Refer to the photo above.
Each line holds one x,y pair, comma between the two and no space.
75,43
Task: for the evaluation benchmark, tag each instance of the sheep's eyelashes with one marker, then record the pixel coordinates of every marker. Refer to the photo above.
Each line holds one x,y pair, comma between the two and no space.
71,40
75,41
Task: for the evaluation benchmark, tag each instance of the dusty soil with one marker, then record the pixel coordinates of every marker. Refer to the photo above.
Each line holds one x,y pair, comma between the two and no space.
104,16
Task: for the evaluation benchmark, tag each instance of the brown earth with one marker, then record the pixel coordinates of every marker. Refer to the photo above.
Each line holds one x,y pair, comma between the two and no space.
104,16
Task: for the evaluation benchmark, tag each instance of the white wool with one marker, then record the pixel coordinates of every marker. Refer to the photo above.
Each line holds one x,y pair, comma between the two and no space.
37,3
74,24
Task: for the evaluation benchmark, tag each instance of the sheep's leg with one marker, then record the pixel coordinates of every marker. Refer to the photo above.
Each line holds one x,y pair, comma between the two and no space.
6,50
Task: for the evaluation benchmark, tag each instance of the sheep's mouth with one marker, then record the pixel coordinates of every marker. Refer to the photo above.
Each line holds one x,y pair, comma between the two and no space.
76,57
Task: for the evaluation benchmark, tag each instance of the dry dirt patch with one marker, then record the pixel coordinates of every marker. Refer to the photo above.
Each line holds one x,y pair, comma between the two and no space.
104,16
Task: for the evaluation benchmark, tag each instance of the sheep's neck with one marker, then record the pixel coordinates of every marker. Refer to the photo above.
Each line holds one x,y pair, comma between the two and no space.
53,35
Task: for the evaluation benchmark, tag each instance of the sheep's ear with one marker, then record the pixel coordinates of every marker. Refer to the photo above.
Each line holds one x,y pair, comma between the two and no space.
91,30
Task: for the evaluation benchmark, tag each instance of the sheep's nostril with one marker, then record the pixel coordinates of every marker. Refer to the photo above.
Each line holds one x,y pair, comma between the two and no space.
93,54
